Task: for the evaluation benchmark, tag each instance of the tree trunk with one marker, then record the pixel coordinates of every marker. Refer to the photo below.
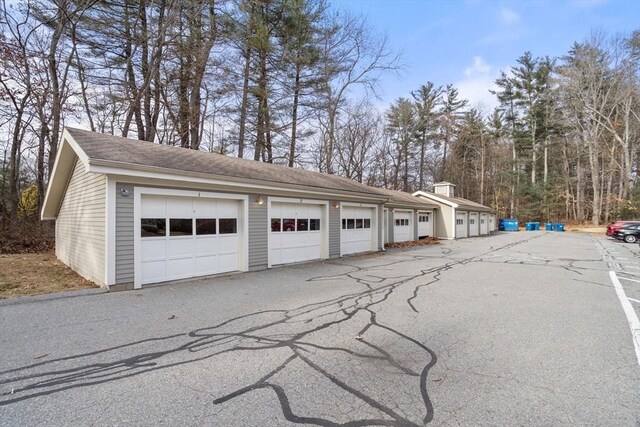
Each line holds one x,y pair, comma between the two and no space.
56,92
294,116
245,101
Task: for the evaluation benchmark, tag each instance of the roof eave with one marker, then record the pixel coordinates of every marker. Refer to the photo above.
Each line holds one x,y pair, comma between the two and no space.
68,151
127,169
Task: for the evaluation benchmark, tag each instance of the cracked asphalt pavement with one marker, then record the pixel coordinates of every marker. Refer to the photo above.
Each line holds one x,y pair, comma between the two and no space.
517,329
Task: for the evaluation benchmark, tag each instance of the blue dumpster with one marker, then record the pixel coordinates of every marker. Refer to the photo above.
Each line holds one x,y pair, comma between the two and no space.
529,226
509,224
548,226
536,226
558,226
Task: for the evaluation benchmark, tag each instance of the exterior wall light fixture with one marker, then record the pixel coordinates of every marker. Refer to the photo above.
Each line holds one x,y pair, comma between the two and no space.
259,200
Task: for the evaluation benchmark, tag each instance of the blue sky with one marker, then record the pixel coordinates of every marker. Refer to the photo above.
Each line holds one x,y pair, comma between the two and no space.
468,42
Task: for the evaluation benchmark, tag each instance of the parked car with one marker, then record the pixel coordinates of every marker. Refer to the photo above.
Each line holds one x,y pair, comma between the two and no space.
617,225
629,232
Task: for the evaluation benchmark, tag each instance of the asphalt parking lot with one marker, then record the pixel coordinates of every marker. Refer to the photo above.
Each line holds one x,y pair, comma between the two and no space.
517,329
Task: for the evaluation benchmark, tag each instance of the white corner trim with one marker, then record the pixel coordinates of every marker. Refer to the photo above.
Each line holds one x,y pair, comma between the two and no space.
110,231
454,218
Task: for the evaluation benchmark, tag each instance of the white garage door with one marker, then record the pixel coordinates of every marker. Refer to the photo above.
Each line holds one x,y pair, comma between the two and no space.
425,224
461,225
474,223
402,226
492,223
182,237
295,233
356,231
484,223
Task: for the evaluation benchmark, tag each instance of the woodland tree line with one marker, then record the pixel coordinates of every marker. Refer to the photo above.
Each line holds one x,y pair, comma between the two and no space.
295,82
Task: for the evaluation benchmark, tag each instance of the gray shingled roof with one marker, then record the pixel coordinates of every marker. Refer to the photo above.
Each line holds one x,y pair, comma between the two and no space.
464,203
119,151
400,198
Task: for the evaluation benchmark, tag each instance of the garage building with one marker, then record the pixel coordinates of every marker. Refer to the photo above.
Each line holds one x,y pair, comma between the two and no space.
457,217
407,218
130,213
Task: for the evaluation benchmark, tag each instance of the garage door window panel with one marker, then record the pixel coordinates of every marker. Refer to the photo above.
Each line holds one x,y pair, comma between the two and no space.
228,225
302,225
180,227
351,224
314,224
276,225
367,223
205,226
153,227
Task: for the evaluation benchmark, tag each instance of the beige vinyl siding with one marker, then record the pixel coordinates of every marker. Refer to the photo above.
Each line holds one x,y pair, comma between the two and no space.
445,222
80,225
258,233
124,234
334,230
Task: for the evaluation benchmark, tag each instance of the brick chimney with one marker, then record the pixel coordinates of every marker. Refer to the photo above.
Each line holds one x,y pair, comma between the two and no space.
445,188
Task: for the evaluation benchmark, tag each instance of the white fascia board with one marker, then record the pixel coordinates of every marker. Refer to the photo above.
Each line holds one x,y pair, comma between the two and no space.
65,141
242,186
434,197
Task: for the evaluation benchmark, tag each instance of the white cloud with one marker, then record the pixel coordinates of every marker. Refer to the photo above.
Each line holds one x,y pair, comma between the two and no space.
509,17
476,91
478,67
480,78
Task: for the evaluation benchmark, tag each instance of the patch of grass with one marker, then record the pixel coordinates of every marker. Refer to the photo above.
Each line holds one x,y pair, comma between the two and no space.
37,273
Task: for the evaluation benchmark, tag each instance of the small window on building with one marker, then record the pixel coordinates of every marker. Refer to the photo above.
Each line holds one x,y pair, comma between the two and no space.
482,221
180,227
303,225
367,223
289,224
153,227
228,225
276,224
205,226
314,224
350,223
397,222
344,223
359,223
